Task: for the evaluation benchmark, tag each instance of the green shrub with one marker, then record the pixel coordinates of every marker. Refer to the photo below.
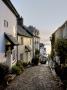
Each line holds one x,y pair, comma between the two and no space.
25,64
37,52
57,69
29,63
52,39
64,73
61,49
16,70
20,65
4,69
35,60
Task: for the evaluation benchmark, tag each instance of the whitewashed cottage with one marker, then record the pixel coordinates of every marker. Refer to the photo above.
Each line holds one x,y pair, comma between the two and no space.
8,33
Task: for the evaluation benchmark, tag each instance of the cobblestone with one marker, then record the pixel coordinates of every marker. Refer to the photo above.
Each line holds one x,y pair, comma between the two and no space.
36,78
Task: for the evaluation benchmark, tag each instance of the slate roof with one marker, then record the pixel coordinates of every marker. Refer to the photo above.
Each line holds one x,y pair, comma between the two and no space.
60,28
22,32
27,29
12,39
11,7
30,31
34,31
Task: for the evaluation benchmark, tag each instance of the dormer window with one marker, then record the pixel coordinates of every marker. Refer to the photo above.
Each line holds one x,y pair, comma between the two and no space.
5,23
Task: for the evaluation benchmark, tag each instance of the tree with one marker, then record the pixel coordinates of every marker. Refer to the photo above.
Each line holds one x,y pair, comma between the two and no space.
37,52
52,39
35,60
61,49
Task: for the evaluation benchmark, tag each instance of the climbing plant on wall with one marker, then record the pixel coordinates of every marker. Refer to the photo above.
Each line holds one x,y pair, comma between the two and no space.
61,49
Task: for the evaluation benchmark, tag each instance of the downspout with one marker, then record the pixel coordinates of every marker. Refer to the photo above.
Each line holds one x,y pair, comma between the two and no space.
17,49
33,46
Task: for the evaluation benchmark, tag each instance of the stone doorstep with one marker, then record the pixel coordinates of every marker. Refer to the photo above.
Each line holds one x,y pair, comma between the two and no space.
9,78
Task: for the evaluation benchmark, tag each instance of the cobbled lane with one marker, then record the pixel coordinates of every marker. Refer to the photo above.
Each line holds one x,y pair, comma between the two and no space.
36,78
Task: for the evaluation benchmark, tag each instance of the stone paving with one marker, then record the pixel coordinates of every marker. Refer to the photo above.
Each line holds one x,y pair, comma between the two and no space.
36,78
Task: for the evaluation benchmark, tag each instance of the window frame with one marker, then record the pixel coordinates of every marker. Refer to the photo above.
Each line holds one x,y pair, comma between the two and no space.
5,23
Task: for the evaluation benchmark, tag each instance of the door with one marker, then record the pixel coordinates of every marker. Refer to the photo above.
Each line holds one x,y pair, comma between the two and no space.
8,58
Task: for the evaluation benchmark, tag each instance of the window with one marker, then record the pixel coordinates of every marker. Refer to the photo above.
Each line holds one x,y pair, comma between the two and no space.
21,40
5,23
21,56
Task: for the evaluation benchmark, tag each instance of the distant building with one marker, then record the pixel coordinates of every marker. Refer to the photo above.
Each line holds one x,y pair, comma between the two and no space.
8,33
42,51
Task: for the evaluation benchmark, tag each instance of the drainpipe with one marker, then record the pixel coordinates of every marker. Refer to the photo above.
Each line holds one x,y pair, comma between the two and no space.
17,49
33,46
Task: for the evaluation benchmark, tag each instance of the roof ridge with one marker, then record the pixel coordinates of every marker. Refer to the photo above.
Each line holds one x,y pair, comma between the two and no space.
11,7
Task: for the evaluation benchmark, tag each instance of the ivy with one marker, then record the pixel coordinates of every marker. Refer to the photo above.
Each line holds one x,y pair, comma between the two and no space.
61,49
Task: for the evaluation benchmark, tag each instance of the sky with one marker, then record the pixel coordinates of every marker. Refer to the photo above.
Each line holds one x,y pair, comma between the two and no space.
45,15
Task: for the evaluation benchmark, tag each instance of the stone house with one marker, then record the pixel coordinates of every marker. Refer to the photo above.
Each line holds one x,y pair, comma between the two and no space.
8,33
17,42
60,33
25,43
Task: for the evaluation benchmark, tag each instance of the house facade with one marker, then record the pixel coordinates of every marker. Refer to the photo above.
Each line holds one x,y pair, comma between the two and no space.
60,33
35,40
25,41
8,33
17,42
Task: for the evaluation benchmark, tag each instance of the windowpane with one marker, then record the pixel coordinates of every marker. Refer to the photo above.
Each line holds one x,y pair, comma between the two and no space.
21,40
5,23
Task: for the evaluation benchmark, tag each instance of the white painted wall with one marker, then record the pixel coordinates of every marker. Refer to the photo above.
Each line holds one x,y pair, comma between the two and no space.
6,14
28,42
21,48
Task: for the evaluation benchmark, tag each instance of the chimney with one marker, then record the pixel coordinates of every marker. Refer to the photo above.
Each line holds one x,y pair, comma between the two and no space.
20,21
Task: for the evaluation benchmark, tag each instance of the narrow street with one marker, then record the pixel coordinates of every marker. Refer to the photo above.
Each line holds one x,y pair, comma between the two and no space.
36,78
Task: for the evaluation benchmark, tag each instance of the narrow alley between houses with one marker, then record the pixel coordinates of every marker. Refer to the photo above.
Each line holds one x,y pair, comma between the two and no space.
36,78
28,40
